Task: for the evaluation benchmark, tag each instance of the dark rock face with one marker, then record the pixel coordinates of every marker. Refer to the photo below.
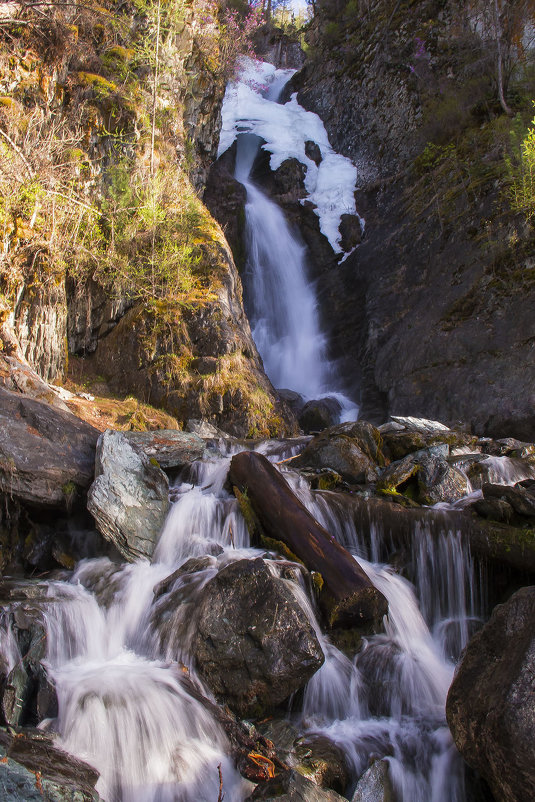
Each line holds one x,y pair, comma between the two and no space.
490,707
254,645
225,198
129,497
438,324
47,455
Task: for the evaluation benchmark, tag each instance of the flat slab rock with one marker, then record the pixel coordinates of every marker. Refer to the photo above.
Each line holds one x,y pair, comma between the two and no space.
169,447
46,454
129,497
33,769
491,704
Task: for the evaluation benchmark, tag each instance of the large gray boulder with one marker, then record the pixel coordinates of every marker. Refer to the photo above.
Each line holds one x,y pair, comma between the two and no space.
427,476
404,435
129,497
491,703
254,645
47,455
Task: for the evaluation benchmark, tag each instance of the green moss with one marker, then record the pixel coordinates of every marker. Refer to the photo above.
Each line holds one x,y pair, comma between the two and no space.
101,85
249,515
272,544
317,581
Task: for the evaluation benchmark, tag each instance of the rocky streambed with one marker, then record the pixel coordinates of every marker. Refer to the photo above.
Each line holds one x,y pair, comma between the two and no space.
186,615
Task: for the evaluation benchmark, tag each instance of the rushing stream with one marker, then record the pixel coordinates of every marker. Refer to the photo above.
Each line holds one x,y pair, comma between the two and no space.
117,663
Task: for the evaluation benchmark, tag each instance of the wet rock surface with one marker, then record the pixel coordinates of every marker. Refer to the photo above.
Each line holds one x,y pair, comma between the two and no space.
375,784
254,645
293,787
490,706
318,415
129,497
323,762
33,769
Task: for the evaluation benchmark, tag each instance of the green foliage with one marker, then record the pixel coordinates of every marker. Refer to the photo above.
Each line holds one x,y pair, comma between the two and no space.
521,168
332,32
154,230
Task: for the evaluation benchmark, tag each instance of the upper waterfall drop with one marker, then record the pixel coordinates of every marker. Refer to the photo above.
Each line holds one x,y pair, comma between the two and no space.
250,107
280,297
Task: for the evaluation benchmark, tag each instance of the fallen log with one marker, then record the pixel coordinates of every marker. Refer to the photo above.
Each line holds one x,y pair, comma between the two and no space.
347,597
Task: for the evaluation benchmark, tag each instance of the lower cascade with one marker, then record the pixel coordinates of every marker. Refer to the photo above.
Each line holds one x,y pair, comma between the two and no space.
123,650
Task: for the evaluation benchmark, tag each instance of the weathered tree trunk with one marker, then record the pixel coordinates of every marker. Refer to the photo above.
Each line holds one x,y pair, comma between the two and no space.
347,596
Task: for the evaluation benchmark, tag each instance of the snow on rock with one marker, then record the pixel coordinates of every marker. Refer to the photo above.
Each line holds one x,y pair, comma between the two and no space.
247,108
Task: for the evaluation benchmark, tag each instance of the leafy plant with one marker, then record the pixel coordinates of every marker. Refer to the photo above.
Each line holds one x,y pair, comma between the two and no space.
521,168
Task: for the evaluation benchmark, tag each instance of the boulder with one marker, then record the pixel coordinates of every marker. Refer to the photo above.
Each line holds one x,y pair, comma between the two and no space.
375,784
47,455
33,769
16,375
405,435
294,400
292,787
353,450
169,447
254,645
129,497
507,447
319,415
323,762
494,508
518,497
491,705
439,481
427,476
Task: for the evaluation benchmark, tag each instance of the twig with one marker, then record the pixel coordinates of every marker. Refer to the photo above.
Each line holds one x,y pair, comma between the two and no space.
288,459
17,151
73,200
221,794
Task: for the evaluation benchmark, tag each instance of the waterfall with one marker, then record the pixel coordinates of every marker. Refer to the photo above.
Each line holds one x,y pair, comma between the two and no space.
119,636
116,651
280,298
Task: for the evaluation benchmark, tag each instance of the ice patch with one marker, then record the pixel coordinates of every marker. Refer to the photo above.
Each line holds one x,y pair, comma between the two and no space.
285,129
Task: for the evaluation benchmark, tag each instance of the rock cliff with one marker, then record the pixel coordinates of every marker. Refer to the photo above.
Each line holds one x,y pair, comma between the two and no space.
109,120
432,312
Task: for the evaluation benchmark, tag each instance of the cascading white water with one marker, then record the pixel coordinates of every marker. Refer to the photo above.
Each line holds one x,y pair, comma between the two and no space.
281,299
116,650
